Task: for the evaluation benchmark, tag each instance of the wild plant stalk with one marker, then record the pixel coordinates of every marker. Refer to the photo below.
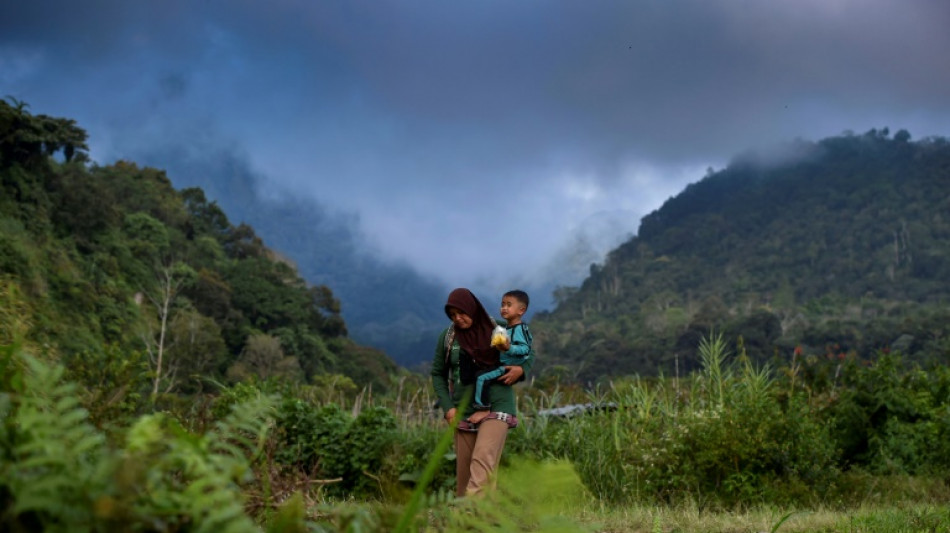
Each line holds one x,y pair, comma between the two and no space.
755,382
713,353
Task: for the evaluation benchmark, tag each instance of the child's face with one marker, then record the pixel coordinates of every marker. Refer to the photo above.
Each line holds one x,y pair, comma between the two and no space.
511,308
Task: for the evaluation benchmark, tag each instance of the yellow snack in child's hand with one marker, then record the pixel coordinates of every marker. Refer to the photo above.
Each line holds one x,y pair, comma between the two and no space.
499,337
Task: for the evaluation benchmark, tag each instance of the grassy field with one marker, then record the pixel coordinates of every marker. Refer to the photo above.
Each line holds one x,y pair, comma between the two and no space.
595,518
909,518
549,497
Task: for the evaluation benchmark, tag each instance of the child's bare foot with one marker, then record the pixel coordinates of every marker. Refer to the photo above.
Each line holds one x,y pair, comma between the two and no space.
478,416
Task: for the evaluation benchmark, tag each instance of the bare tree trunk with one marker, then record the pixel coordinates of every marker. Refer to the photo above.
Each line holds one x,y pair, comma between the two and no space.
168,289
163,316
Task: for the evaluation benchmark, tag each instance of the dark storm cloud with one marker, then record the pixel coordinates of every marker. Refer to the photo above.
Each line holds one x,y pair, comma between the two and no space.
390,108
687,79
675,79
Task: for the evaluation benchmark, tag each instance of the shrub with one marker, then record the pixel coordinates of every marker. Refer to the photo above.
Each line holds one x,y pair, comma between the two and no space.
891,417
413,449
328,443
723,438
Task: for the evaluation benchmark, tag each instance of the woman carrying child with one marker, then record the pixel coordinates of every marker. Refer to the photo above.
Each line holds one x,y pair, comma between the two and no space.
463,350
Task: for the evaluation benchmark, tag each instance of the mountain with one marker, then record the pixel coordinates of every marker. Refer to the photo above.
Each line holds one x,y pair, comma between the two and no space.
386,305
818,248
115,272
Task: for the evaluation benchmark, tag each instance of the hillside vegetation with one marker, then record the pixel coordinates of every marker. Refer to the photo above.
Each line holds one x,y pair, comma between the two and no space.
97,261
835,247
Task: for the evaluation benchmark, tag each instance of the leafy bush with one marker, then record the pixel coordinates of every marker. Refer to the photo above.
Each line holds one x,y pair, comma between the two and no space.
113,383
891,417
413,449
328,443
313,438
369,438
723,438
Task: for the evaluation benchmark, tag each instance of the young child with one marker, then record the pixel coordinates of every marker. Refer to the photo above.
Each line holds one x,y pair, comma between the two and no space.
514,304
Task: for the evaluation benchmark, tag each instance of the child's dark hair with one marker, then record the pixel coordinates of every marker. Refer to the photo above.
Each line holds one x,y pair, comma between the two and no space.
519,295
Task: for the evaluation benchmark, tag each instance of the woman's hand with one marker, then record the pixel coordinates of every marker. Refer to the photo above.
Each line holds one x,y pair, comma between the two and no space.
511,375
450,416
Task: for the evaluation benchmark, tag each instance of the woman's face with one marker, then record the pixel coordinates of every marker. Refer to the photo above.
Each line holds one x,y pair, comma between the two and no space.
460,319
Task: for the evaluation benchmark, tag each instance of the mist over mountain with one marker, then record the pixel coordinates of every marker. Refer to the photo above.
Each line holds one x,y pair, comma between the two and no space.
386,305
585,245
749,249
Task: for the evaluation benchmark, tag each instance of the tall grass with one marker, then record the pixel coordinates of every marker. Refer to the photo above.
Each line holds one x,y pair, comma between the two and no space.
722,438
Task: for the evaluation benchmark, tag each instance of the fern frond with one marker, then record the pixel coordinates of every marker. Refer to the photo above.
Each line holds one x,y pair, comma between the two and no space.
198,477
58,456
246,426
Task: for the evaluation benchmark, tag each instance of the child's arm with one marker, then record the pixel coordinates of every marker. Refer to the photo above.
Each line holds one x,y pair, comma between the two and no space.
520,343
524,335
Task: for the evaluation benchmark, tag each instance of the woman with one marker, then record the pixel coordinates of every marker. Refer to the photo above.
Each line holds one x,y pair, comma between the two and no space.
465,348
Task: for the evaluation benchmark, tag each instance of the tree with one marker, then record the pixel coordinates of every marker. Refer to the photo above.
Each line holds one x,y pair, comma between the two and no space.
148,237
195,347
31,139
170,280
264,358
206,217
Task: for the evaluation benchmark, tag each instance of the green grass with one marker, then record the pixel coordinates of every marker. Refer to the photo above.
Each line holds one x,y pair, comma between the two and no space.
872,519
548,496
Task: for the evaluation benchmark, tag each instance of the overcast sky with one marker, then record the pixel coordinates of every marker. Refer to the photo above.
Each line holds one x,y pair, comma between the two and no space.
473,138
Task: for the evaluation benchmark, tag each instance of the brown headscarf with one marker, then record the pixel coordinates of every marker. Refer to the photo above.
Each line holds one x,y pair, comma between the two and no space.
476,340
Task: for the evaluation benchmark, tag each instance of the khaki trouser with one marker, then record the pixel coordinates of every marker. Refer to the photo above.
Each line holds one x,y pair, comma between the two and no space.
477,456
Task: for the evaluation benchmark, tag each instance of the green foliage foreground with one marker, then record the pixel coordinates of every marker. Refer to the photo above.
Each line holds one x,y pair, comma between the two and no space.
729,439
733,436
59,472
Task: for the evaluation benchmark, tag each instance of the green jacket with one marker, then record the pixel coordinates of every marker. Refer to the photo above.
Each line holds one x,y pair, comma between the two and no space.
444,370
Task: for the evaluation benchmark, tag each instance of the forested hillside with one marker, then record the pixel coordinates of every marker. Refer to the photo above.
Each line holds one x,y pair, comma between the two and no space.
122,277
829,248
386,305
